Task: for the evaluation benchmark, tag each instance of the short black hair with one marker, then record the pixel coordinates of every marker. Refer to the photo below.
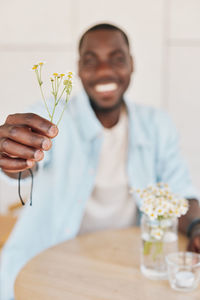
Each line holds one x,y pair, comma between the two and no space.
103,26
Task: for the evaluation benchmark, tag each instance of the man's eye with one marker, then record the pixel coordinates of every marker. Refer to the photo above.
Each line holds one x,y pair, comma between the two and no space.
119,60
89,62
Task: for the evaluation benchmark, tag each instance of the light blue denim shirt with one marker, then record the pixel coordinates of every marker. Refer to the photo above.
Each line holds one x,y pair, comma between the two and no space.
66,178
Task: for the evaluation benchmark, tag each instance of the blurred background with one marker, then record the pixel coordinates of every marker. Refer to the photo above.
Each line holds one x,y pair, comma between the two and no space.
165,40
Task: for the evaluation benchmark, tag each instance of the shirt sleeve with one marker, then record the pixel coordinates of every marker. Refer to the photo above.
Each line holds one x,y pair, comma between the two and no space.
32,234
171,166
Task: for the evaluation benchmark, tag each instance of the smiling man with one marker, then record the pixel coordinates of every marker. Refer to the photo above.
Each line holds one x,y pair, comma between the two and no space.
105,69
106,146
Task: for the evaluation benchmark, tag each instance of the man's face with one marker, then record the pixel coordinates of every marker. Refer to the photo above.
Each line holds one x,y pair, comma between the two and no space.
105,67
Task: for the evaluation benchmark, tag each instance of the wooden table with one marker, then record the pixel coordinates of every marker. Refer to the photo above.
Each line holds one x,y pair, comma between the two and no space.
100,266
6,225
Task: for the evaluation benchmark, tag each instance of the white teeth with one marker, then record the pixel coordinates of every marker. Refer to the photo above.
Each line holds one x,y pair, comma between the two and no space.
108,87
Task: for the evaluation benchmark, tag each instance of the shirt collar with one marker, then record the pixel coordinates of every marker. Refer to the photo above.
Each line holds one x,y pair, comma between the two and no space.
91,127
138,136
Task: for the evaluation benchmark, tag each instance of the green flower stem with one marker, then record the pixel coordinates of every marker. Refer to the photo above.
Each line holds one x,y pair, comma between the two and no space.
67,98
37,75
53,91
60,96
147,248
158,249
59,82
45,101
54,108
56,87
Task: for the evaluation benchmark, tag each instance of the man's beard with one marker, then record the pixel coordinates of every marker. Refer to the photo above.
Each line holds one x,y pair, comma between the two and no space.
99,109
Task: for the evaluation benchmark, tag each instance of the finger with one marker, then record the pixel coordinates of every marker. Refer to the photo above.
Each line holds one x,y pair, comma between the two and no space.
196,242
35,122
194,245
15,171
14,165
17,150
25,136
190,246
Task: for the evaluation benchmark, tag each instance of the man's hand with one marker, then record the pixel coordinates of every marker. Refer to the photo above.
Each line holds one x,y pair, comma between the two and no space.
194,242
23,140
185,221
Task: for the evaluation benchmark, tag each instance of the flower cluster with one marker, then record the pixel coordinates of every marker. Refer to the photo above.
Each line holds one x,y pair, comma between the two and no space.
160,203
61,86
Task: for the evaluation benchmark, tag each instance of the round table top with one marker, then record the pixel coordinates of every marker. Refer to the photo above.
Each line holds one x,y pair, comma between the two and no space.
100,266
7,223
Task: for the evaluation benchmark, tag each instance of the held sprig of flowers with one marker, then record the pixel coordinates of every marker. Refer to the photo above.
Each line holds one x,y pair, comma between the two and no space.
160,203
61,88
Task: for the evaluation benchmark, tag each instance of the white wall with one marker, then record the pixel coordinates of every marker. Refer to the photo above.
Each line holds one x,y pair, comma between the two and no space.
183,77
165,38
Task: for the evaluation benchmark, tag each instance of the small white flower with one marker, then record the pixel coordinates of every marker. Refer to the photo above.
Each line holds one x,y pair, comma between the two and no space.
158,200
159,210
157,233
153,215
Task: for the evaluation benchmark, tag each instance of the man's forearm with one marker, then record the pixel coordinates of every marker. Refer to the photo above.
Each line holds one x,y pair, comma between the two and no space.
192,214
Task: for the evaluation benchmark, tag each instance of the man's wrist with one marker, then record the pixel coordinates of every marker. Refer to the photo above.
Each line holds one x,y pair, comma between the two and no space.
25,174
194,228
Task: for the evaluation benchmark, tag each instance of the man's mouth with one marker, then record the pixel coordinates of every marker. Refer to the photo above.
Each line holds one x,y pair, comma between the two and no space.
106,87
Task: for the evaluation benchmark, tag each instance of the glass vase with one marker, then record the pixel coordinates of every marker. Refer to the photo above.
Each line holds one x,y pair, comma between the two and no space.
158,238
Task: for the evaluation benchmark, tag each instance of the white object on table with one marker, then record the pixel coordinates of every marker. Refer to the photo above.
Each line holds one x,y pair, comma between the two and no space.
185,279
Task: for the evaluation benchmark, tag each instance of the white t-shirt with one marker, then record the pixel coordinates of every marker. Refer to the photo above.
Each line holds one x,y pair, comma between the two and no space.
111,205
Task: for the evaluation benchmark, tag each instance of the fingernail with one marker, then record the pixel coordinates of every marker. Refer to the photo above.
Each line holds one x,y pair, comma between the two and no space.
46,144
38,154
53,131
30,163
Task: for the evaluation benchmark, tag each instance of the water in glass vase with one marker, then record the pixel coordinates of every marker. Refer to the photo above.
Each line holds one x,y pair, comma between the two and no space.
153,255
158,240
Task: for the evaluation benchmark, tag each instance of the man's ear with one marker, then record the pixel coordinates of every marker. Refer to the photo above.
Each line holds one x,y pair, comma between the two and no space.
78,64
132,64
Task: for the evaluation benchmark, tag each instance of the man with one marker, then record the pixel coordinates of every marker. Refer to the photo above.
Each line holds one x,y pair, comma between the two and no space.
106,146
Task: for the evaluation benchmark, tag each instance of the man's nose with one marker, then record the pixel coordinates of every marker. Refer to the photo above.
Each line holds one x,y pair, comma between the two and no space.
104,68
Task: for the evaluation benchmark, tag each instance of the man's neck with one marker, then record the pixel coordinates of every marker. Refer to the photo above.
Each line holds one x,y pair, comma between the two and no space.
110,117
